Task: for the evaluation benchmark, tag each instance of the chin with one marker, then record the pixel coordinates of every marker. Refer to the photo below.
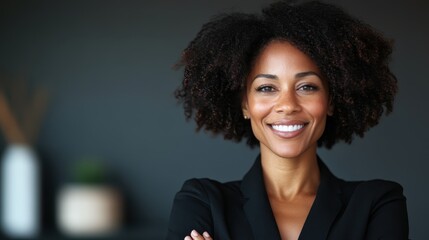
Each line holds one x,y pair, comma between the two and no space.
293,151
289,152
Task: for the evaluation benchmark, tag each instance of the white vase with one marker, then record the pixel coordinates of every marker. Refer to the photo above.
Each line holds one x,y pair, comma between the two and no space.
20,192
89,210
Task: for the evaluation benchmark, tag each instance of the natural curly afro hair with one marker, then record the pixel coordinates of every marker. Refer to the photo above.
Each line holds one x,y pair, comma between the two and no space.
351,55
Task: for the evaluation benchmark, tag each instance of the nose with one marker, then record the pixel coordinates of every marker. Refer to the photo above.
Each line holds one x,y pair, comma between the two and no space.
287,103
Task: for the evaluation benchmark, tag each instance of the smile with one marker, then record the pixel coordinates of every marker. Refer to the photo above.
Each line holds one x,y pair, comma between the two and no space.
287,128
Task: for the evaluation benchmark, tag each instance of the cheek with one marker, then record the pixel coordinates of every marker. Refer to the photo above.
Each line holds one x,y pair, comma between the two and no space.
319,109
259,107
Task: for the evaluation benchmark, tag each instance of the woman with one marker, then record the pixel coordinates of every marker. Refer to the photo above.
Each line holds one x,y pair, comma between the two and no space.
295,78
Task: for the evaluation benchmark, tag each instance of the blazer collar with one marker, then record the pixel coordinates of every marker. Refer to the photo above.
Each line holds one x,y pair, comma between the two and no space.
325,208
258,211
257,205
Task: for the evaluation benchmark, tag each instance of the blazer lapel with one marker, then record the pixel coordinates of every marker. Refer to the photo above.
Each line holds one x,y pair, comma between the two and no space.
258,211
257,206
325,208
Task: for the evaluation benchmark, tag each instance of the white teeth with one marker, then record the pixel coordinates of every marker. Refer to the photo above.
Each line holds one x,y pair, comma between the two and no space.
287,128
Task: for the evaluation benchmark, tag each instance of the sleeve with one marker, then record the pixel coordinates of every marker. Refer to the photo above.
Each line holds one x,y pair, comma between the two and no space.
191,210
389,218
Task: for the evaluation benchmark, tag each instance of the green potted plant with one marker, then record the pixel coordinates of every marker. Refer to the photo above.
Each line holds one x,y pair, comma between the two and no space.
89,205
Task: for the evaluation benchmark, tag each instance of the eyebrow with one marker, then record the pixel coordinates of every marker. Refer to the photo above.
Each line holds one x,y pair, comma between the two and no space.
269,76
305,74
298,75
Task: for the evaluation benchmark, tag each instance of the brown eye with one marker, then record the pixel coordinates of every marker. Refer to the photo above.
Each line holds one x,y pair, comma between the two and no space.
265,89
308,88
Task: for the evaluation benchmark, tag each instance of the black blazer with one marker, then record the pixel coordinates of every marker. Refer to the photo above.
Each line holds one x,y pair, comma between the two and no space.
240,210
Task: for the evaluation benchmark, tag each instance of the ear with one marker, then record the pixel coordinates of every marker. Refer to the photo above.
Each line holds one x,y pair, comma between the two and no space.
330,108
245,108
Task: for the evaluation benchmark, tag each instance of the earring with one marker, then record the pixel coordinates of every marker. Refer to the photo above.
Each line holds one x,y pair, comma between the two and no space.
246,117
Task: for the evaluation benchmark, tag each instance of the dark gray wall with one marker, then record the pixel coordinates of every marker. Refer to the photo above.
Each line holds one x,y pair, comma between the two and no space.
108,65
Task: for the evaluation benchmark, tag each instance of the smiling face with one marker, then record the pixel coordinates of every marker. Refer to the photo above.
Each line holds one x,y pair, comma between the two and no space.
286,101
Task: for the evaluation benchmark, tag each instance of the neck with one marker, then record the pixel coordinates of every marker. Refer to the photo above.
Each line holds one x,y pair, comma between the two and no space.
287,178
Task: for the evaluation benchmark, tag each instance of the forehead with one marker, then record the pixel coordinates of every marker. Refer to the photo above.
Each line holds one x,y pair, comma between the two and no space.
281,55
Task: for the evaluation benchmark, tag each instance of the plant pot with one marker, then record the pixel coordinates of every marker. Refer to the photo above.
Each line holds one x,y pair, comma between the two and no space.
89,210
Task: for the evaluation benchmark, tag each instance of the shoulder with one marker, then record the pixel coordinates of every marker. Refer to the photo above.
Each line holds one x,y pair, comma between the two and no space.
377,188
373,193
205,189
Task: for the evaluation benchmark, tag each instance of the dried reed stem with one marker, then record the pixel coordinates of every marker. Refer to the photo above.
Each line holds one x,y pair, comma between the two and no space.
9,123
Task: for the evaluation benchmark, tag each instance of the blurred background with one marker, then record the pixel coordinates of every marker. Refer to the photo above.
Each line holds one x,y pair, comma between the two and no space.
108,69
